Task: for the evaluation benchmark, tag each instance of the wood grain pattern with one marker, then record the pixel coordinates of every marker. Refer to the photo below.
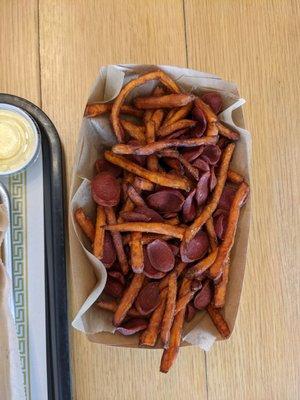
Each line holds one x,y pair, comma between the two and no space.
261,361
56,47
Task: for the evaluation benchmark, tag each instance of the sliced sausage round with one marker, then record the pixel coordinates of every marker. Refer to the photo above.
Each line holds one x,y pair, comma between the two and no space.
166,200
161,255
148,298
106,189
132,326
195,249
203,298
214,100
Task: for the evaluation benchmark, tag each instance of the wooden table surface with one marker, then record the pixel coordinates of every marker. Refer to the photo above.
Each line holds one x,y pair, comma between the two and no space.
50,54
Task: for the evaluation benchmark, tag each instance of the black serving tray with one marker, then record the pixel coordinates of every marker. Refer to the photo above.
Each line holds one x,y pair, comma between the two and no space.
58,368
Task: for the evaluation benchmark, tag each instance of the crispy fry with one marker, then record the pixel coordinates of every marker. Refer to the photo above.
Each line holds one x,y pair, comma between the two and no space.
173,221
134,130
128,177
166,101
202,265
166,130
213,241
169,354
157,118
234,177
128,298
143,184
207,111
146,238
117,239
169,310
166,80
176,115
234,213
85,224
160,178
149,336
223,130
212,205
151,227
188,166
127,206
95,109
161,145
158,91
183,301
212,130
218,321
220,287
98,246
137,256
111,305
179,268
135,196
152,161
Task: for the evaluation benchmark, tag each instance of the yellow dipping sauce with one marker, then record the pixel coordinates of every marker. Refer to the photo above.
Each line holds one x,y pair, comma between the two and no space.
18,139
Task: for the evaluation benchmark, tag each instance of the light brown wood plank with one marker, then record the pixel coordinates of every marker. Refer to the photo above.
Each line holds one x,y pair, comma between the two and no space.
19,66
256,44
76,39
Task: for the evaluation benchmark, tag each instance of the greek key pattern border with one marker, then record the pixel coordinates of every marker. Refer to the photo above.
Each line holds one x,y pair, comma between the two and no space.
17,189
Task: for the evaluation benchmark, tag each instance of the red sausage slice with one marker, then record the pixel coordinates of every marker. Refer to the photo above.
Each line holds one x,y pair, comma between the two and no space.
132,326
212,179
227,197
149,271
195,249
202,123
192,154
211,154
189,207
109,254
113,287
190,312
220,224
202,188
203,298
201,164
141,214
166,200
102,165
106,189
118,276
160,255
214,100
148,298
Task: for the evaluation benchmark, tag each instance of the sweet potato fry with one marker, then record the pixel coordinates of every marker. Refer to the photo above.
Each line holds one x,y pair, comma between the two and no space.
157,118
183,301
158,91
135,196
213,203
169,310
188,166
199,268
111,305
213,241
161,145
170,115
85,224
178,114
136,249
95,109
149,336
135,131
234,177
224,131
127,206
220,287
160,178
173,221
166,101
207,111
179,268
170,354
128,298
146,238
212,130
143,184
98,246
234,213
151,227
175,126
152,161
166,80
218,321
117,239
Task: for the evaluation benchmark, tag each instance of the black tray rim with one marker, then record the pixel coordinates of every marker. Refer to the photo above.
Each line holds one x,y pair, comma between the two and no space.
57,333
